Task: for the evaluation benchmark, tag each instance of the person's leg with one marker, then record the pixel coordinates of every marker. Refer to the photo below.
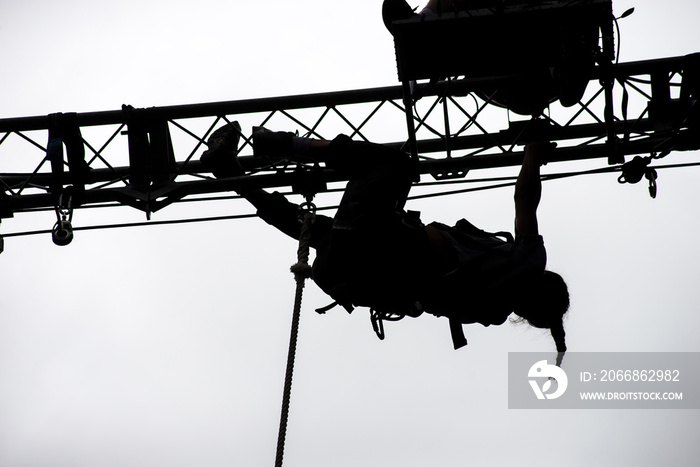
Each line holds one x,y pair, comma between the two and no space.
354,158
357,159
221,158
379,182
379,176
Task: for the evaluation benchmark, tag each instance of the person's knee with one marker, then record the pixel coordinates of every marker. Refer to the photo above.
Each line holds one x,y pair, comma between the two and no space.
340,143
358,158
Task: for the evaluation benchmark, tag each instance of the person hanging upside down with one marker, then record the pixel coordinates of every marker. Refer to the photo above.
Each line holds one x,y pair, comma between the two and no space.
374,254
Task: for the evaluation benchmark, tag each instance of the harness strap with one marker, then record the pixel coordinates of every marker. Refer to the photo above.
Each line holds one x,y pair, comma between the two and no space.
330,306
377,323
459,340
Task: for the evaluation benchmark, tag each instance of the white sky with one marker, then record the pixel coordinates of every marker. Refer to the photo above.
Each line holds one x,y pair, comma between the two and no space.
167,345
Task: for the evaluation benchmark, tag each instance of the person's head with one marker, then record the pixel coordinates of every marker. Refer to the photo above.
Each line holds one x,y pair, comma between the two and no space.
546,306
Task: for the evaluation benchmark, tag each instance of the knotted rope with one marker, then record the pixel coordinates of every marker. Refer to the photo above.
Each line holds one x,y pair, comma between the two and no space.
302,271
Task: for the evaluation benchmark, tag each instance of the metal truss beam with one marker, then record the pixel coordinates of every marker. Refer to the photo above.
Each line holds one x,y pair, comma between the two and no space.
149,158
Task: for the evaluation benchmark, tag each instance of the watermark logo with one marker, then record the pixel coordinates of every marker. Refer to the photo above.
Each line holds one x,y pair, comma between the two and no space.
541,370
604,380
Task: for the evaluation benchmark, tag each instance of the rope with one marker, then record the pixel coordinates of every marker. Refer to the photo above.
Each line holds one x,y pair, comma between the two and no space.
301,271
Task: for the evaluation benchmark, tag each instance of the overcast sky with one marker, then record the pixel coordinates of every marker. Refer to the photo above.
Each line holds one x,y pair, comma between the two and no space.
166,345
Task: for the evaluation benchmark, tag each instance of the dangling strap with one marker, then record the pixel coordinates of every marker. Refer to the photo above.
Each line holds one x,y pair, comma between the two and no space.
377,323
459,340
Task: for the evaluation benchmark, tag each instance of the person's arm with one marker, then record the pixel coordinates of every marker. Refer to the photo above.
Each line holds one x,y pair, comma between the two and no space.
255,196
528,188
274,209
277,211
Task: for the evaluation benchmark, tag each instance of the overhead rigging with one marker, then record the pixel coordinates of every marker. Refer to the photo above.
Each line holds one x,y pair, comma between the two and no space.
147,158
459,121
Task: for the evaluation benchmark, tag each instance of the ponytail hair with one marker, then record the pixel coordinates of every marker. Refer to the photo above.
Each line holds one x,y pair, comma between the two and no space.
546,309
559,337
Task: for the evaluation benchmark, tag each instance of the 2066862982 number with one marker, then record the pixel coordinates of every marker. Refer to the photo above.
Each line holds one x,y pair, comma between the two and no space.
640,375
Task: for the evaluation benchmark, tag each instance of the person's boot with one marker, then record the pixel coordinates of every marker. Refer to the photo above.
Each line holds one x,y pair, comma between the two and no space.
222,156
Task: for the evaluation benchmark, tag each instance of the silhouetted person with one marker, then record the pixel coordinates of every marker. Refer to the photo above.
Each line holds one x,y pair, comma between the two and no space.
373,254
393,10
556,57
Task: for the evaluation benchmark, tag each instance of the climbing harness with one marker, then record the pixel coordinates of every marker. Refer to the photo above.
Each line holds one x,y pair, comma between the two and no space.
378,317
302,271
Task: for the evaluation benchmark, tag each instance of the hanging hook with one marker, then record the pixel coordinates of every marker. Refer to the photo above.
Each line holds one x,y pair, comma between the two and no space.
651,175
638,168
633,171
308,206
308,181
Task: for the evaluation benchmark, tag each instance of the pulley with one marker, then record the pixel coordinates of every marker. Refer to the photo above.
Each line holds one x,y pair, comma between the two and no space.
62,232
638,168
